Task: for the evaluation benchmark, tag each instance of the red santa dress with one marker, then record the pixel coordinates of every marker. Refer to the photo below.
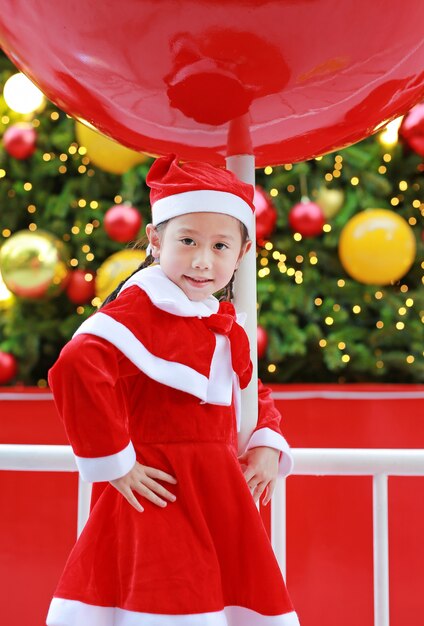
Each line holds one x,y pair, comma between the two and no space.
154,376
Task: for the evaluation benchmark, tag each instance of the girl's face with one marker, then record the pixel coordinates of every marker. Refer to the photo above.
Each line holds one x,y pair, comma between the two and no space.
199,251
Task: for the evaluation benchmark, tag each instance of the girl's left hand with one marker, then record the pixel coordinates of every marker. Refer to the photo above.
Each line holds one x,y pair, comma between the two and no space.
260,469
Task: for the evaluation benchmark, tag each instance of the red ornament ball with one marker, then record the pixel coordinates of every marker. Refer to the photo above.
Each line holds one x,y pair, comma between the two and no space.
307,218
412,129
122,222
265,213
262,341
8,367
20,140
81,288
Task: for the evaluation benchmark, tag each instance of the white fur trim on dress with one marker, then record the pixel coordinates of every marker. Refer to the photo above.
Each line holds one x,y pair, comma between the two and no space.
203,201
105,468
271,439
73,613
215,390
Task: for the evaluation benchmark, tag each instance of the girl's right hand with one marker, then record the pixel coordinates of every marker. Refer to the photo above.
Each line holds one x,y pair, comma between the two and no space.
141,479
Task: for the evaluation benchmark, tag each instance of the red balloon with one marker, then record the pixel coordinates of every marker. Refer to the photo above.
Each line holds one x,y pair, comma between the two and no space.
306,218
122,222
265,213
412,129
8,367
80,290
20,140
262,341
178,79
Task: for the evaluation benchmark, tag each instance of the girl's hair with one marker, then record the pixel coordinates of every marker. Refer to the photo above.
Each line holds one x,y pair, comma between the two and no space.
226,292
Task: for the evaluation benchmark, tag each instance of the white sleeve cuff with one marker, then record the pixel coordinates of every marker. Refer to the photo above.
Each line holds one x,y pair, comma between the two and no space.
105,468
271,439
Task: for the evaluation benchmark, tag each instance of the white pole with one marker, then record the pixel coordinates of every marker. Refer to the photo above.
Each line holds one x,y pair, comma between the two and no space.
381,550
243,166
84,498
278,524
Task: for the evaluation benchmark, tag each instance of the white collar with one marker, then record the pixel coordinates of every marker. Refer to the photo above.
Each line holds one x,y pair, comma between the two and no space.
167,296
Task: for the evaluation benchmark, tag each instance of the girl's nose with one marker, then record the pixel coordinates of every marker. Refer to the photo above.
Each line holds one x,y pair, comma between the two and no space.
201,260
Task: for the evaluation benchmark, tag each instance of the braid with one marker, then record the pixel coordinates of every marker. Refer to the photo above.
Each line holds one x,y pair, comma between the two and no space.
112,296
228,294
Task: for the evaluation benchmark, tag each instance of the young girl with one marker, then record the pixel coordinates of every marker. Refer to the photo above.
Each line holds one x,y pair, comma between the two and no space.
148,389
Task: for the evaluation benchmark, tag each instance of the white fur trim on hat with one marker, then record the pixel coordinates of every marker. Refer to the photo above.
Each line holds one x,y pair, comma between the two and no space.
203,201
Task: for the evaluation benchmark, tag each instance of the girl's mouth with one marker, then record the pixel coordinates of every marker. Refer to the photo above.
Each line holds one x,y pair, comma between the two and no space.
198,282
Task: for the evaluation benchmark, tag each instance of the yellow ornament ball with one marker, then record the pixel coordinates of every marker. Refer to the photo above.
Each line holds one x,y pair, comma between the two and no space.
105,153
115,269
34,264
330,201
377,247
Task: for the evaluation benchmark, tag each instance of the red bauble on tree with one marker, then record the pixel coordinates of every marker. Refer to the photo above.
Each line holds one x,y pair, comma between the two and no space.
306,218
80,287
122,222
262,342
265,213
20,140
8,367
412,129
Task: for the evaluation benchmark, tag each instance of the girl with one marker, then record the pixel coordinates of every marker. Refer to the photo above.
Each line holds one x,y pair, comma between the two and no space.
148,389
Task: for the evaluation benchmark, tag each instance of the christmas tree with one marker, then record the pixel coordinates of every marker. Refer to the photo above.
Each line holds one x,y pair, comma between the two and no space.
319,323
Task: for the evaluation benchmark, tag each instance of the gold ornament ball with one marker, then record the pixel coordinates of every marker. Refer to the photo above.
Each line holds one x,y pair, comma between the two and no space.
105,153
115,269
377,247
34,264
330,201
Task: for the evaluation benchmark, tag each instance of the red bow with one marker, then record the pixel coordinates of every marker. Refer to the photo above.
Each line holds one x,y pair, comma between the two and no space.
224,322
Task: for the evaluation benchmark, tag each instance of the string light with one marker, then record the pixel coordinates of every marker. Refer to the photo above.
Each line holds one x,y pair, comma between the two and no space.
400,325
80,310
32,227
117,199
82,203
329,320
318,301
345,358
73,262
409,302
6,232
322,343
378,295
402,310
356,309
63,169
341,283
21,95
273,192
341,345
354,181
379,365
269,245
54,116
75,230
271,368
2,173
27,186
380,324
268,170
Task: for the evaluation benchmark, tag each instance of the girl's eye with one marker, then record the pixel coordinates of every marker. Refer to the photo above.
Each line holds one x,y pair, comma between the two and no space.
187,241
221,246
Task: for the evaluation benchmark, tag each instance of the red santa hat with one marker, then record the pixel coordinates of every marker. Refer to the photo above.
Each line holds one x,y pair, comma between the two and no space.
197,187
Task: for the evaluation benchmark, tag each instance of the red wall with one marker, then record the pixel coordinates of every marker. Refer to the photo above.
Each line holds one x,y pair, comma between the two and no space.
329,523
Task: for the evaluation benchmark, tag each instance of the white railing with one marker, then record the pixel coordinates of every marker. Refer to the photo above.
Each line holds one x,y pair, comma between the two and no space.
308,462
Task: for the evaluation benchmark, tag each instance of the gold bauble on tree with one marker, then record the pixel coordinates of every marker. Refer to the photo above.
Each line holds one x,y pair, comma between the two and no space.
117,268
330,200
34,264
377,247
105,153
